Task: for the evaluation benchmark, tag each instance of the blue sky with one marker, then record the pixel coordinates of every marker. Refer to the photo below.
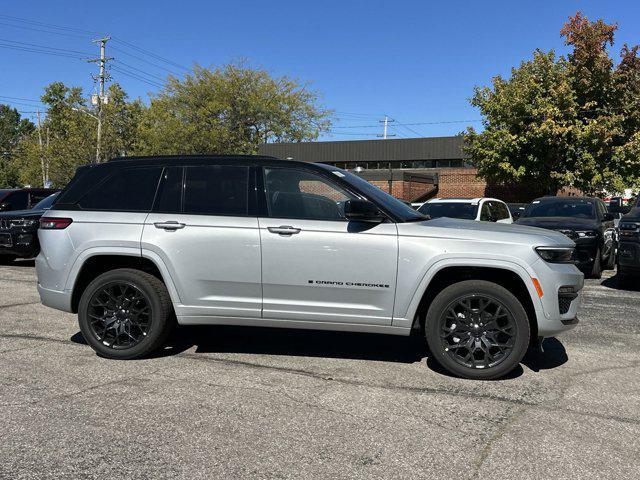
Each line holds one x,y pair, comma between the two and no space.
416,61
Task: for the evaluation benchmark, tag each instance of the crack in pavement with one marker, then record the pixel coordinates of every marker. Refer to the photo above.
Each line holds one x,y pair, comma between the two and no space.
19,304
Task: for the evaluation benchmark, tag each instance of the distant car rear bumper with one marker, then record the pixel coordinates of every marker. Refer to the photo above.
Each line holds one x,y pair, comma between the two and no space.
21,244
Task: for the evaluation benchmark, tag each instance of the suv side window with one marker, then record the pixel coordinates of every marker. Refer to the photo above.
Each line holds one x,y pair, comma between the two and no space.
169,198
293,193
128,190
485,213
37,198
501,210
17,200
216,190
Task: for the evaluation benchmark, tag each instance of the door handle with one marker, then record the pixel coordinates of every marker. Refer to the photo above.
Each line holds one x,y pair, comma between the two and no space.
284,230
170,225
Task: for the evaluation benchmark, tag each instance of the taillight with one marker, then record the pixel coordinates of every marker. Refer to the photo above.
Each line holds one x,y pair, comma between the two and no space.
54,223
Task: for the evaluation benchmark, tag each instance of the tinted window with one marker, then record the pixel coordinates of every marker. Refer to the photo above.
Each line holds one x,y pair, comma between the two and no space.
451,210
131,189
500,210
169,198
299,194
578,208
37,197
17,200
216,190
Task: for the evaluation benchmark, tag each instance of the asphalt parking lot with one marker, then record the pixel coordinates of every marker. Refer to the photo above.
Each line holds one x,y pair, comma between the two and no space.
259,403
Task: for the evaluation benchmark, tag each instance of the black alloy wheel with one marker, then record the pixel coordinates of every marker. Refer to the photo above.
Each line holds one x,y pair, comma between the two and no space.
120,315
126,313
477,331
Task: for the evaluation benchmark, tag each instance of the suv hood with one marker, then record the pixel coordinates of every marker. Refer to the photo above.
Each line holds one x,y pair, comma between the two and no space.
454,228
13,214
557,223
632,216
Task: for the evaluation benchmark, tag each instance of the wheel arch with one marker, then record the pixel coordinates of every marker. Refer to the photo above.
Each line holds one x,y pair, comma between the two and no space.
99,263
511,277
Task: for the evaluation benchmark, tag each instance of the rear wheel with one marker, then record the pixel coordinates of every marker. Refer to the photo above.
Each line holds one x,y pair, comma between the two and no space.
125,314
477,329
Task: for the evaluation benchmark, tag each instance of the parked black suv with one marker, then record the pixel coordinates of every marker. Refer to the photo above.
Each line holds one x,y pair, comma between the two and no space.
584,220
22,198
19,231
629,244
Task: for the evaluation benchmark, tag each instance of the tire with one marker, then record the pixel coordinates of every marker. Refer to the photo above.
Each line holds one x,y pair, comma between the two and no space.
596,268
144,297
6,259
449,354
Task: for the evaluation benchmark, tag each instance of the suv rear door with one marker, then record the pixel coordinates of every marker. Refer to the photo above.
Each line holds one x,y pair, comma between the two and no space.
317,266
202,230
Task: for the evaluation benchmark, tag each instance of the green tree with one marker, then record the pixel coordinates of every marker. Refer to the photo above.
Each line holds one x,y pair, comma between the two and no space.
232,109
13,129
558,122
69,134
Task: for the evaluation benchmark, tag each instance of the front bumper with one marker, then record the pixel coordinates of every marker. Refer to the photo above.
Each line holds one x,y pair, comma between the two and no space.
562,295
19,243
629,257
586,250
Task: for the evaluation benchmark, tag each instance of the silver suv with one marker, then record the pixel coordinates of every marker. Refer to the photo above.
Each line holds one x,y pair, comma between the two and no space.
137,245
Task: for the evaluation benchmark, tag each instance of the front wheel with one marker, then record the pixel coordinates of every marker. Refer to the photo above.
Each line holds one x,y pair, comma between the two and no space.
125,314
596,268
477,329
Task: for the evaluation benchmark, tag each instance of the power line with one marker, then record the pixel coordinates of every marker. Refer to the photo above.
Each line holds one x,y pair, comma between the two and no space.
65,34
46,47
44,52
21,98
145,61
151,54
136,76
144,72
48,25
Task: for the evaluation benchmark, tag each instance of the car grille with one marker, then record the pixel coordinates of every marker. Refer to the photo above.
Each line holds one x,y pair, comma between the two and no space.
569,233
565,304
629,230
4,224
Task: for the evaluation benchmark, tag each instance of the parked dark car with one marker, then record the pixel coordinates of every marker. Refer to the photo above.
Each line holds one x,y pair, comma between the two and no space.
584,220
628,261
22,198
517,209
19,231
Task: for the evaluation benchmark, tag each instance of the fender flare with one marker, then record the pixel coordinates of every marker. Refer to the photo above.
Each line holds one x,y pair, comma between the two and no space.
522,271
88,253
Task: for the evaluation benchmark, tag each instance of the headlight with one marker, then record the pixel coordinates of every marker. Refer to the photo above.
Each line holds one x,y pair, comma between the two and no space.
586,234
556,254
23,222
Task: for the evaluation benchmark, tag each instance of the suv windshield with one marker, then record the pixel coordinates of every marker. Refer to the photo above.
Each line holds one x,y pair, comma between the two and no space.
449,209
401,210
561,207
45,202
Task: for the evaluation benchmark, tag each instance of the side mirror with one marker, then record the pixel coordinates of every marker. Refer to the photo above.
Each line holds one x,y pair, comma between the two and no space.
516,215
608,217
362,211
5,207
615,205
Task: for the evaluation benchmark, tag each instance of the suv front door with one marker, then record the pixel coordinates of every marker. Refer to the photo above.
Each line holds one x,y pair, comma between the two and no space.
201,229
316,265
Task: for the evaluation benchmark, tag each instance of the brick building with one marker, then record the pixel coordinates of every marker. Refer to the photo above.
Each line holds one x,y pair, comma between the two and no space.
412,169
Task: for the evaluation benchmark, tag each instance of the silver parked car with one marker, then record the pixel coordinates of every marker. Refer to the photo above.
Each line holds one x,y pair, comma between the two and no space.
135,245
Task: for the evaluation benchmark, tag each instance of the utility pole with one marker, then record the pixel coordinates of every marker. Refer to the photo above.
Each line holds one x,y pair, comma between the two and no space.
101,78
386,124
44,164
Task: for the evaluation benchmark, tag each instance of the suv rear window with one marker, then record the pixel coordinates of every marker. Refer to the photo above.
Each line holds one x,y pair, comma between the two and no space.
131,189
216,190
